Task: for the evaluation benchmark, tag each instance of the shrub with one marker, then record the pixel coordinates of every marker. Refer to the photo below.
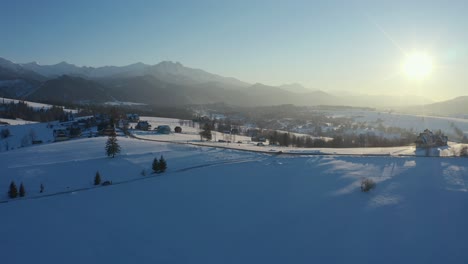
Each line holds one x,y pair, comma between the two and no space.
367,185
22,191
159,166
155,166
162,164
97,178
13,192
32,135
5,133
25,141
106,183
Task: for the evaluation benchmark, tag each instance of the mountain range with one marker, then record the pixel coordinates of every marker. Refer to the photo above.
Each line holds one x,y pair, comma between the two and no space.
167,84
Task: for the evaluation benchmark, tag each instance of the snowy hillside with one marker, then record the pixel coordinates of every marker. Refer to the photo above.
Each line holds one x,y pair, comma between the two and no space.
22,133
224,206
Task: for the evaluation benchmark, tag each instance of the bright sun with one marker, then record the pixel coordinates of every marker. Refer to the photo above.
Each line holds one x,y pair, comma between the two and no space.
417,65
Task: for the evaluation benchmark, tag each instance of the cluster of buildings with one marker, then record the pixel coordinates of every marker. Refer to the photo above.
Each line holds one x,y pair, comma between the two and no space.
75,128
429,139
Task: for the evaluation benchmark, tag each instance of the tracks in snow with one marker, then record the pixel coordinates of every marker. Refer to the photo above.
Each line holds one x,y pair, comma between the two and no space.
152,176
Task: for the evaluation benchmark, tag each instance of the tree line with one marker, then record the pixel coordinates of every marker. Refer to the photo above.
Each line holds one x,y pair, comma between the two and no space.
342,141
22,110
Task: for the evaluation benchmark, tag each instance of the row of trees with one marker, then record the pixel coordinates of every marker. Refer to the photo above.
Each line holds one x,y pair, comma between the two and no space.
22,110
159,166
347,141
13,190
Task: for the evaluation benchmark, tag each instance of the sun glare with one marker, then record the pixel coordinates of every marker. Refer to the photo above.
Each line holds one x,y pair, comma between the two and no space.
417,66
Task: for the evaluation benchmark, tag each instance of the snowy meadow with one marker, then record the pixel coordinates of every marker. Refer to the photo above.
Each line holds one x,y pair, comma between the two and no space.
226,206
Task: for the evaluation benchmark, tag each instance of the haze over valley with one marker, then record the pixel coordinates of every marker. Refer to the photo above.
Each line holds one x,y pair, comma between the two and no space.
171,83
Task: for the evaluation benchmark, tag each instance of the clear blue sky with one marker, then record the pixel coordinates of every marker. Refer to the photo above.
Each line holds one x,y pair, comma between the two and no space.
330,45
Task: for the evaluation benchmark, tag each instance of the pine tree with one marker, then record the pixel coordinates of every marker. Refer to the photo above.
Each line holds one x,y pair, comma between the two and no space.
22,192
13,192
162,164
206,133
156,166
97,178
112,147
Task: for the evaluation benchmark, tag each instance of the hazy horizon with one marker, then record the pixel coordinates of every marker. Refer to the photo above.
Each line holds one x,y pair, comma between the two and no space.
357,47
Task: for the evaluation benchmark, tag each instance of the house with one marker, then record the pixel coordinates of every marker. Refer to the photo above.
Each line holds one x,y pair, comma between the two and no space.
164,129
258,139
143,125
61,134
107,131
133,117
429,139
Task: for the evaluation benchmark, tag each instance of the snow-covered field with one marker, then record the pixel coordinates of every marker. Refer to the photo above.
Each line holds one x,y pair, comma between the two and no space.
189,134
225,206
119,103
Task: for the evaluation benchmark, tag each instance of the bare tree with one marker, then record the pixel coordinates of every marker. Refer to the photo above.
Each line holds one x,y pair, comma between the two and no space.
25,141
32,135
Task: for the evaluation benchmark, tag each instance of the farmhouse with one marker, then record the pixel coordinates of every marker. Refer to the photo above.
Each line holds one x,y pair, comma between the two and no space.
143,125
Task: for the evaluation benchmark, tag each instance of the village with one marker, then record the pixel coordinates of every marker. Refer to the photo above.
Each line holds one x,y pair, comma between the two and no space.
132,124
304,130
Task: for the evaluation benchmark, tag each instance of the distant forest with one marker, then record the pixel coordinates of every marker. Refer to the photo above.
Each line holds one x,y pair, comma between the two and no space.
21,110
